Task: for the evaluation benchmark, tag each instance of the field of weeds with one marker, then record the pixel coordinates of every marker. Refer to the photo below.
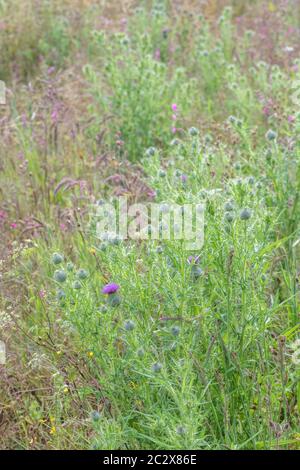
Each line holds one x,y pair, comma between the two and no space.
162,335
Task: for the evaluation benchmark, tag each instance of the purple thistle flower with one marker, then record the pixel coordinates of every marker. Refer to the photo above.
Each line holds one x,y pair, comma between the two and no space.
111,288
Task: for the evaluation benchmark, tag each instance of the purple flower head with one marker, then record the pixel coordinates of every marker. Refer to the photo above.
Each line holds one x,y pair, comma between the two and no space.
174,107
183,178
111,288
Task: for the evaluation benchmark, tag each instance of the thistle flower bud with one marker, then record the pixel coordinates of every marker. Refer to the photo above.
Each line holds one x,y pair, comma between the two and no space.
228,206
129,325
82,274
175,330
76,285
60,295
271,135
140,352
114,300
232,119
181,430
229,217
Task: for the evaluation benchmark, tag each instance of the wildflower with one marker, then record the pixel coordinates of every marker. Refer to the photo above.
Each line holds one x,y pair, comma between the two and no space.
114,300
70,266
140,352
150,152
82,274
183,178
90,354
193,259
129,325
60,294
102,309
229,217
181,430
13,225
196,272
111,288
103,246
164,208
245,214
208,138
53,430
228,206
57,258
42,293
116,240
291,118
66,389
60,275
271,135
156,367
232,119
51,70
76,285
157,54
95,416
175,330
174,107
193,131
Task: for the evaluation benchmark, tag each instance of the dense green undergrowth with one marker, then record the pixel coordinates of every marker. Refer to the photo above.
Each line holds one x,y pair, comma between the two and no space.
196,349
